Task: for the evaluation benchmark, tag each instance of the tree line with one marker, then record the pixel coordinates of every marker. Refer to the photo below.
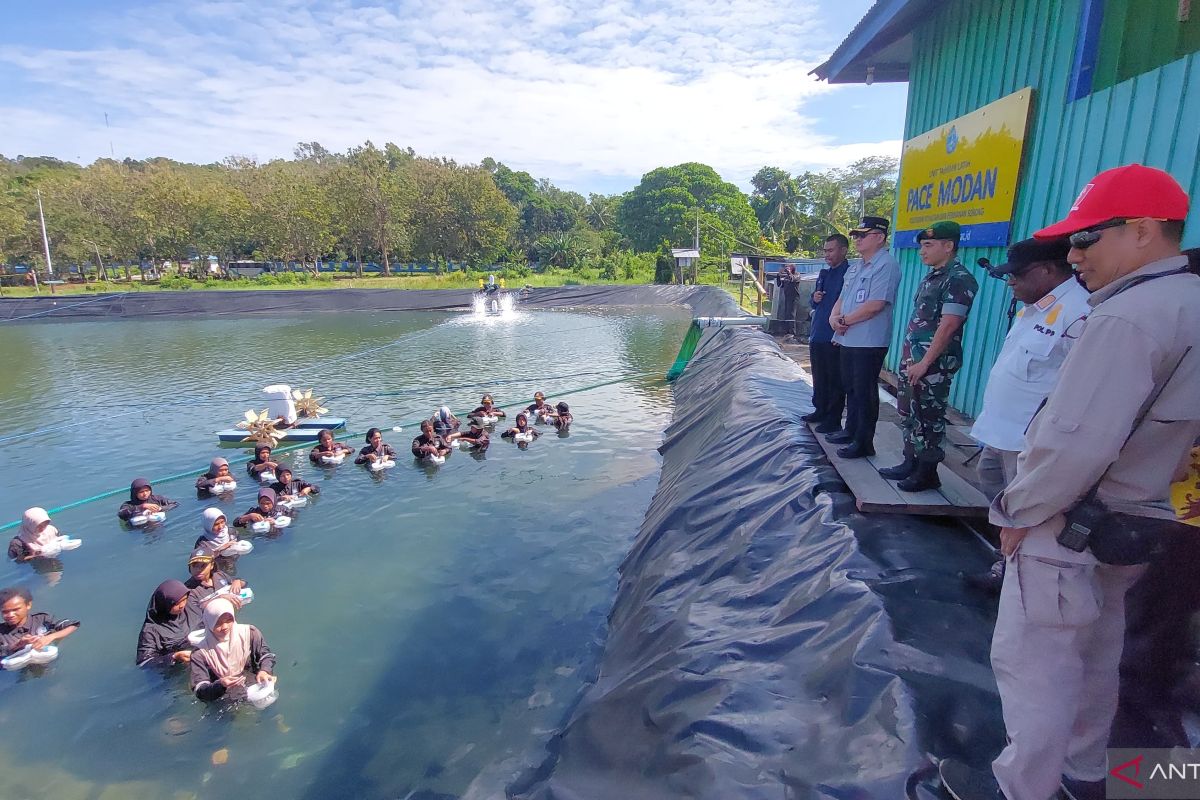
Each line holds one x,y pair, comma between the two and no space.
388,205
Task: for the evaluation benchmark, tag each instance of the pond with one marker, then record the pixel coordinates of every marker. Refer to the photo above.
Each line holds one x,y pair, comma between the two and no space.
433,625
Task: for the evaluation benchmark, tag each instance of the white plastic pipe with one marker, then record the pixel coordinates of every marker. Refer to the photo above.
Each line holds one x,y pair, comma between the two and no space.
721,322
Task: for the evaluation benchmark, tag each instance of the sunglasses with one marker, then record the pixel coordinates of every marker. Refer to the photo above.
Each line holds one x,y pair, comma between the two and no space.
863,234
1084,239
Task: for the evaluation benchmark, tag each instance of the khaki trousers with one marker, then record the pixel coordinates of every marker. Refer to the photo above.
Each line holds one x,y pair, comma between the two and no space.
1056,653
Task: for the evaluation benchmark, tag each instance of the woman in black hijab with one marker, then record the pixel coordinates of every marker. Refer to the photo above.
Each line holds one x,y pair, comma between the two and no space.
143,500
169,618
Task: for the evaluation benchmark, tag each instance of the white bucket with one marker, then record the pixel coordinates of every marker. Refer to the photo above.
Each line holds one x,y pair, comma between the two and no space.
262,695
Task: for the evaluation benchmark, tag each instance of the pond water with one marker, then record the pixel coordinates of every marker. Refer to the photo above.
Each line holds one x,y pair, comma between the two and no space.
433,625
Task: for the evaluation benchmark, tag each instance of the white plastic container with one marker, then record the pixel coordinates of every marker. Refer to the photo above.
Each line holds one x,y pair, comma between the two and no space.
299,501
488,419
145,519
523,437
281,521
380,464
241,547
266,477
67,543
333,460
18,660
246,595
43,656
196,637
222,488
263,526
262,695
435,459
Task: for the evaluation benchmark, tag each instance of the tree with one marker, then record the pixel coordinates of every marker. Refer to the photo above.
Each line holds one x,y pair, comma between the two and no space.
669,202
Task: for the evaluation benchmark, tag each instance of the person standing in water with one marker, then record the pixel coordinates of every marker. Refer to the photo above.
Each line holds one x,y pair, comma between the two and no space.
229,649
143,500
22,629
170,617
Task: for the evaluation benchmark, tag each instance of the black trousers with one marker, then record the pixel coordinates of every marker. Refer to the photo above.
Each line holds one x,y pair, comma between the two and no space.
860,378
829,398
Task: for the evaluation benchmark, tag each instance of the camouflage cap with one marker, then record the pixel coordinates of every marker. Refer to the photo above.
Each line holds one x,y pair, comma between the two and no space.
945,229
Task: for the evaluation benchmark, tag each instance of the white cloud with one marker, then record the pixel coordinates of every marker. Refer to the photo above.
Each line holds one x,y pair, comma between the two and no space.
576,91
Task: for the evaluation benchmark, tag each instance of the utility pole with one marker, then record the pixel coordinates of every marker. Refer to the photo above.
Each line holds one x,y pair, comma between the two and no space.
696,243
45,239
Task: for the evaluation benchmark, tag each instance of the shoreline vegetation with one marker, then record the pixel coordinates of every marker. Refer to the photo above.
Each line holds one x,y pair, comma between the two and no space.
373,211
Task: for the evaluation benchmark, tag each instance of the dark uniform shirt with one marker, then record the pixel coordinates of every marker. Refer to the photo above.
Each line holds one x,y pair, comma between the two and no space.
829,281
38,623
949,290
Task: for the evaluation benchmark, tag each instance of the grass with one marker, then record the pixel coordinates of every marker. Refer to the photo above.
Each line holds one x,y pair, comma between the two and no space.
455,280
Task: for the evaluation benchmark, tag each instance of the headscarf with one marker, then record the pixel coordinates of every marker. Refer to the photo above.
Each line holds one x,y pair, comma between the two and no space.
229,656
163,600
522,421
258,449
30,535
138,483
211,515
214,467
562,408
267,492
444,414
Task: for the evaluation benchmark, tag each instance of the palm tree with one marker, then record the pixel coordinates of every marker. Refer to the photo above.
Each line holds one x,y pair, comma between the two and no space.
561,249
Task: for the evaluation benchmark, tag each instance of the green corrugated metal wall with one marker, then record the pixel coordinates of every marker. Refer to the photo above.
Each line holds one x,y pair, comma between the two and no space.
972,52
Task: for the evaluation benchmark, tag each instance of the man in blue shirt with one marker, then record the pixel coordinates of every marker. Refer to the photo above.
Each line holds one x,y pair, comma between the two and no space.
829,399
862,328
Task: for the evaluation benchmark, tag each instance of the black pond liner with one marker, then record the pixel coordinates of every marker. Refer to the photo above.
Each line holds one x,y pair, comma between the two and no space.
767,639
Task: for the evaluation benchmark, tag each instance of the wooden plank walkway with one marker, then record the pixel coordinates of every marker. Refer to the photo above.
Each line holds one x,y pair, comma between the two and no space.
872,492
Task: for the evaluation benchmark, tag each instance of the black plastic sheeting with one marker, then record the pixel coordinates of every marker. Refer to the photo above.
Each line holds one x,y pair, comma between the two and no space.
767,639
48,308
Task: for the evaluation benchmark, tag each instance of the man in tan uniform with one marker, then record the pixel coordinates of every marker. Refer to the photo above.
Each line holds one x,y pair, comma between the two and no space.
1061,622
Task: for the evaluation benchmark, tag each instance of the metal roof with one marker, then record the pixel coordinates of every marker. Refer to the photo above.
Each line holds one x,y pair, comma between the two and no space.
879,49
685,252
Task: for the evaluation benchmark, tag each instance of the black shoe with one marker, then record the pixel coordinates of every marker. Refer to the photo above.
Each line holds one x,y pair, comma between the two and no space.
901,470
1075,789
855,451
924,477
989,582
829,427
815,416
840,438
967,783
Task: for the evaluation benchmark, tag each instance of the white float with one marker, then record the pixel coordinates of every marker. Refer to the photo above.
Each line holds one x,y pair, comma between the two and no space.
527,436
246,595
266,477
488,419
242,547
282,521
333,460
262,695
222,488
196,637
379,464
434,458
145,519
299,501
27,655
67,543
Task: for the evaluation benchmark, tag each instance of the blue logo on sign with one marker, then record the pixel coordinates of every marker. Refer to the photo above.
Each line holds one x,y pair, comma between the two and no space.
952,139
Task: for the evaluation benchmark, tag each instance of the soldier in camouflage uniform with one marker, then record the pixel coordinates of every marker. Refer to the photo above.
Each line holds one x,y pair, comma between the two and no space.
932,354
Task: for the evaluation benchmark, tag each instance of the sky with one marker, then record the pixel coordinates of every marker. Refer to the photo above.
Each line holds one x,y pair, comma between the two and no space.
588,93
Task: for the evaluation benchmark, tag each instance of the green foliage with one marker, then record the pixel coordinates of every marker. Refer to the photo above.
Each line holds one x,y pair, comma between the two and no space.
670,202
177,283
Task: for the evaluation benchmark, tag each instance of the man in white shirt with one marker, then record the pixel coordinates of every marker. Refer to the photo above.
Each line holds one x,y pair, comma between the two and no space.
1027,368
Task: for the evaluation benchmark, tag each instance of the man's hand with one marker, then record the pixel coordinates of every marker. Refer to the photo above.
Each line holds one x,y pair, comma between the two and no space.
917,371
1010,540
182,656
818,296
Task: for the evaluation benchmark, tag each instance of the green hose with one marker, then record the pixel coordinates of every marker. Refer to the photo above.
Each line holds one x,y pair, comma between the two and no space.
686,351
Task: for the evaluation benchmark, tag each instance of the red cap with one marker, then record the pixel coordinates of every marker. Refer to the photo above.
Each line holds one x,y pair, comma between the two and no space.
1125,192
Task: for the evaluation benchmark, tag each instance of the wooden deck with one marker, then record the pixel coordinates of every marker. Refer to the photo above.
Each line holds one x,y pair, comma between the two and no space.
873,493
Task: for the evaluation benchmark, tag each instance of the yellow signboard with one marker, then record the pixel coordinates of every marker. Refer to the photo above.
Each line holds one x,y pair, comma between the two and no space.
966,171
1186,493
